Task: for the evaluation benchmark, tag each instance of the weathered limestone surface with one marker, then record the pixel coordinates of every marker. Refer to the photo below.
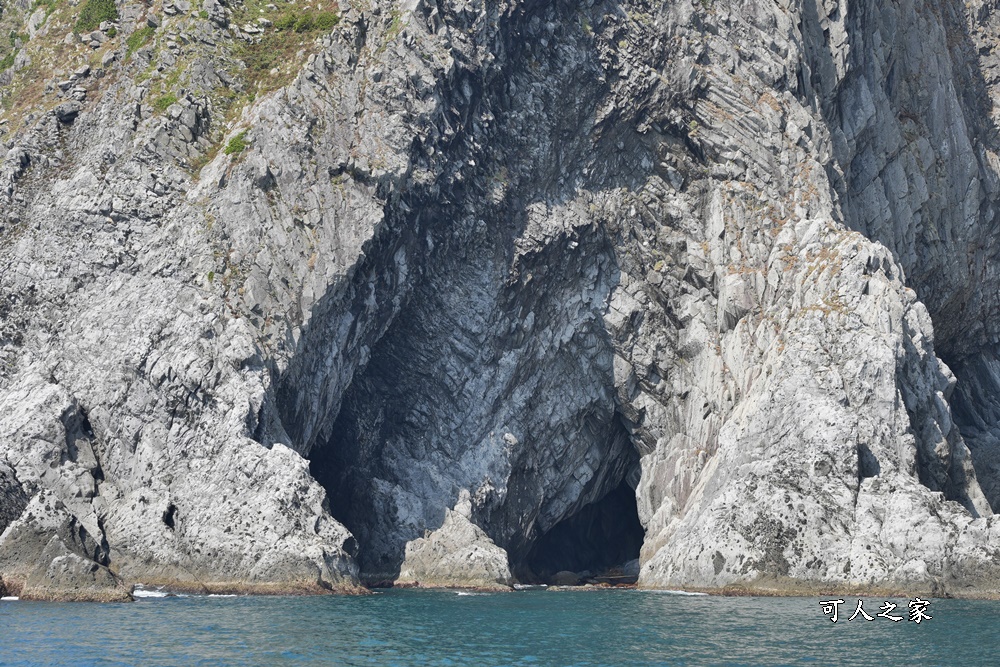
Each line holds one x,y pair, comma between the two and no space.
47,555
740,254
458,554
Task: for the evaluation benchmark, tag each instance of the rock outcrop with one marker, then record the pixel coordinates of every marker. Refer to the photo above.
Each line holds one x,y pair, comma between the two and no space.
46,554
458,555
264,320
13,499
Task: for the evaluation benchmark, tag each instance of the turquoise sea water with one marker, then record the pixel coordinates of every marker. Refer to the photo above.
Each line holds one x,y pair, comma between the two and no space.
536,628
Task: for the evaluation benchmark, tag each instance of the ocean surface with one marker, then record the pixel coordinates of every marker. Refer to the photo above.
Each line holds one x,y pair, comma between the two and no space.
536,628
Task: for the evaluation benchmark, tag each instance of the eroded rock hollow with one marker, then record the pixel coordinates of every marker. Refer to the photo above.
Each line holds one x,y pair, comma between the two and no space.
468,293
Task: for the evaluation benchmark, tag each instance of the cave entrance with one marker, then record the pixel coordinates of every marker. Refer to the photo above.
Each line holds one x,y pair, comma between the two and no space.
598,544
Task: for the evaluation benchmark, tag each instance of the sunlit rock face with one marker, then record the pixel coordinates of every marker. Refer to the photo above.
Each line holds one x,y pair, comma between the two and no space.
263,329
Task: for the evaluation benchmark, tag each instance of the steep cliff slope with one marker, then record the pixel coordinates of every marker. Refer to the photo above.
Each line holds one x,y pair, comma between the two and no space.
283,284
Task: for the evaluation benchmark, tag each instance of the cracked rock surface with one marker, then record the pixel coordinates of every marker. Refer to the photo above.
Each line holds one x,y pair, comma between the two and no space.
262,327
458,554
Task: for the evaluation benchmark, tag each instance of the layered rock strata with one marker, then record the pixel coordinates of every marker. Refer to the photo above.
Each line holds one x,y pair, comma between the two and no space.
260,329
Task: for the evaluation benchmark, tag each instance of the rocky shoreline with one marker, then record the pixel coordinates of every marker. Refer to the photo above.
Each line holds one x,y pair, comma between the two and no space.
785,589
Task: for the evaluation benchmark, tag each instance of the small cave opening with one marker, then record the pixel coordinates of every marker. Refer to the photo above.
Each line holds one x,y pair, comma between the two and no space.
598,544
168,516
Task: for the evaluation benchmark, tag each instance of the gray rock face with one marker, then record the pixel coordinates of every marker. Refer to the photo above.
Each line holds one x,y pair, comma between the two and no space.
738,257
458,554
47,555
13,499
69,577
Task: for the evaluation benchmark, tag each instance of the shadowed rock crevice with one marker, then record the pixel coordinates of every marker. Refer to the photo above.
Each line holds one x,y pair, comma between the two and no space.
170,516
976,408
13,498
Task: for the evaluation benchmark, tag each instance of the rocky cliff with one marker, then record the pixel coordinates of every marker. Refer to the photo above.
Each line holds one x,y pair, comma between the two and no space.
281,284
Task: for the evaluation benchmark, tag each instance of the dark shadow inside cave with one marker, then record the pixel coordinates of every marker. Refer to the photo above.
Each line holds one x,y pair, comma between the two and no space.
168,516
598,544
410,400
344,466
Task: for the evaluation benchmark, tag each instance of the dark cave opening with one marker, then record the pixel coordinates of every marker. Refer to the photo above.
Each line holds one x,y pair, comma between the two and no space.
598,544
347,465
168,516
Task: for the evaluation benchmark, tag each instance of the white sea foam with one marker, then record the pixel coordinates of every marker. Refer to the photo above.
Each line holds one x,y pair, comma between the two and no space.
220,595
470,593
142,592
671,592
10,598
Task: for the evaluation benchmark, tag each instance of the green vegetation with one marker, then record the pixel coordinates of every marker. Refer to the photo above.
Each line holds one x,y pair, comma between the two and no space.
15,39
286,21
237,144
395,26
197,163
326,21
203,14
161,104
226,97
49,5
112,31
278,46
261,58
306,21
145,75
95,12
171,81
138,39
7,59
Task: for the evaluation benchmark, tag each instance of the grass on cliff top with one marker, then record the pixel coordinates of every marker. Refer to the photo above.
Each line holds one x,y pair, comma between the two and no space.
46,53
95,12
268,62
293,28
